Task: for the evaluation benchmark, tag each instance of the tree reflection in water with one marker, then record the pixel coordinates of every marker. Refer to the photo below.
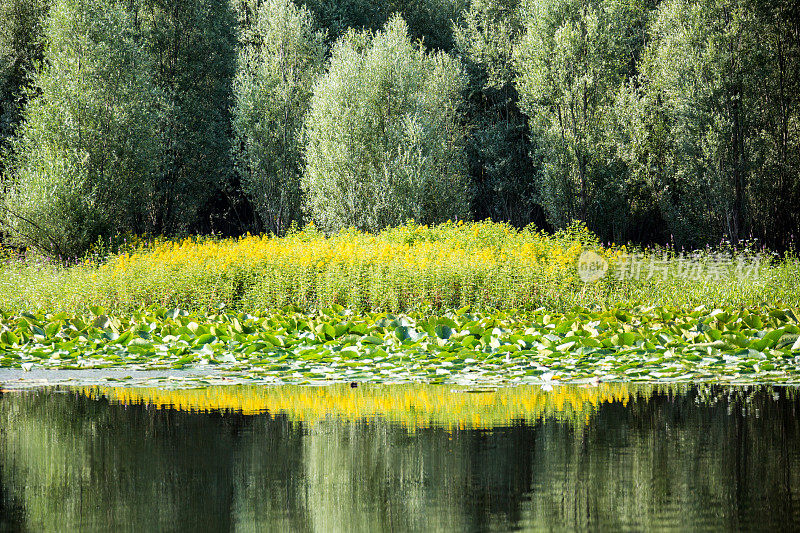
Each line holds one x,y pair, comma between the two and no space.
400,458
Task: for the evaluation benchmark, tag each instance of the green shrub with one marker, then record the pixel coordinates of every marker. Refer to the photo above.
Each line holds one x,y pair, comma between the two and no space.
385,138
85,155
278,64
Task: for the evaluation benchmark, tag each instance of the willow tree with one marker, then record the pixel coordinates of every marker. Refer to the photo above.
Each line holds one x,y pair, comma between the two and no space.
502,172
712,119
385,135
85,153
21,49
192,45
279,61
573,59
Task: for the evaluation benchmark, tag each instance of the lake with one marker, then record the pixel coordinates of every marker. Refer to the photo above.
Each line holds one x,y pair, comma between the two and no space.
400,458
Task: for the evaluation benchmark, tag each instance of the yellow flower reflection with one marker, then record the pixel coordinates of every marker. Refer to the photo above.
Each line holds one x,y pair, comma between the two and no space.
413,405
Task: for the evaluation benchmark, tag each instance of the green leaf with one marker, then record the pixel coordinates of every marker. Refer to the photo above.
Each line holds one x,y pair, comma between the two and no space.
205,339
796,345
371,339
325,331
443,332
8,337
272,339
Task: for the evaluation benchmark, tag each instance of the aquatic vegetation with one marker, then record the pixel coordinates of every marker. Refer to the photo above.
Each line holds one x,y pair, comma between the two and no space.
474,303
463,347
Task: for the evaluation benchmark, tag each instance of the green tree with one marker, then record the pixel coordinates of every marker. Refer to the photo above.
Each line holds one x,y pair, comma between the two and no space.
711,120
385,138
681,90
279,61
192,44
573,59
21,48
773,74
84,157
502,172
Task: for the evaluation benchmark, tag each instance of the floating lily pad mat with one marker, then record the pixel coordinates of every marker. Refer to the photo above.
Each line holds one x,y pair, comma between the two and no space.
501,348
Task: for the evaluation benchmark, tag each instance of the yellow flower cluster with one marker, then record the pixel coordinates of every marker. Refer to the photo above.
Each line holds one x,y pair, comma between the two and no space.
410,267
414,406
484,245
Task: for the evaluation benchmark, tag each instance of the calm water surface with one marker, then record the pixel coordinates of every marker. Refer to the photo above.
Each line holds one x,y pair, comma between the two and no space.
398,458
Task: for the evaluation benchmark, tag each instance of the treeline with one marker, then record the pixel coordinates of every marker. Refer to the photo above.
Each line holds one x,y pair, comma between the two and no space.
672,121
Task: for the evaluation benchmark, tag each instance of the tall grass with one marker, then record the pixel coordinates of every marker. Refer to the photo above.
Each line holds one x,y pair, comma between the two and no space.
411,267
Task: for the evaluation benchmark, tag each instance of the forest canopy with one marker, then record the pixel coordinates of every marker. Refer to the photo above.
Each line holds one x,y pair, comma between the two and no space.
674,121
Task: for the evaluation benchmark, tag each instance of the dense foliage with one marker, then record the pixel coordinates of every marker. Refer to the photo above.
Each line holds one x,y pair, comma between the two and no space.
84,157
650,121
192,44
279,61
429,20
501,157
21,49
385,135
714,126
572,59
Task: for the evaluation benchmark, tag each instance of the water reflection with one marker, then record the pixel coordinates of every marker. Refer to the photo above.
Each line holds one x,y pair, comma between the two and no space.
399,458
412,405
